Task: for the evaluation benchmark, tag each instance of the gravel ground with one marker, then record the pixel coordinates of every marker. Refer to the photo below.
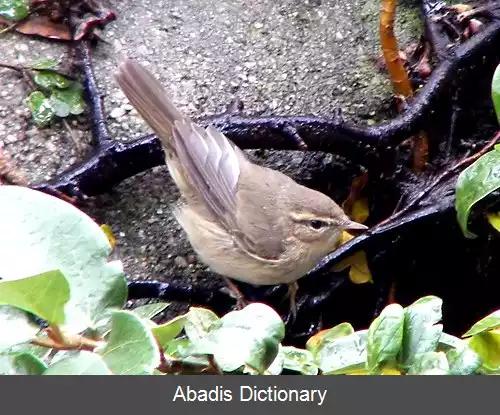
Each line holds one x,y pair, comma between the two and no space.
278,56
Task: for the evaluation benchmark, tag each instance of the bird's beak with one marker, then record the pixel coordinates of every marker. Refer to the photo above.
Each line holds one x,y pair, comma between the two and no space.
350,225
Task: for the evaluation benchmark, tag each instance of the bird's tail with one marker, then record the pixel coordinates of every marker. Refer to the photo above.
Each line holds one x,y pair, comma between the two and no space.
149,98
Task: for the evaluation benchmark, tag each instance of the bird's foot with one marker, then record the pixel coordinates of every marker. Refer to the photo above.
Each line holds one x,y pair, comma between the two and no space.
292,293
234,292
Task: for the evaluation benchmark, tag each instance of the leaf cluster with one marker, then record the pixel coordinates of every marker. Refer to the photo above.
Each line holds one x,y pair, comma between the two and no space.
57,95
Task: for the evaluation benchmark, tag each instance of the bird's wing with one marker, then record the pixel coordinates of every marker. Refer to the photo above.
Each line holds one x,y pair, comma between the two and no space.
212,166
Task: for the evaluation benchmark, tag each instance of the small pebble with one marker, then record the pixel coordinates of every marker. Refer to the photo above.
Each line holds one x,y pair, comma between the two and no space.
181,262
117,112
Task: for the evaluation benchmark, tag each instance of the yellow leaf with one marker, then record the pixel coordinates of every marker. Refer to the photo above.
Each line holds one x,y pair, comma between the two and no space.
494,220
461,8
359,272
389,371
360,210
487,346
345,237
109,234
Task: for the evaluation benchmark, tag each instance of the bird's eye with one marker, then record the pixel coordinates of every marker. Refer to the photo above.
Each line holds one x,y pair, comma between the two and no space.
317,224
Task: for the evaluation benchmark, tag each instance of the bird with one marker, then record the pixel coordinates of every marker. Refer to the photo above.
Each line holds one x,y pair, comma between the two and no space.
247,222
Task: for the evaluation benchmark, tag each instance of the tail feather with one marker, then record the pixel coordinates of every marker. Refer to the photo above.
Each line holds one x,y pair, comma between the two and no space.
148,97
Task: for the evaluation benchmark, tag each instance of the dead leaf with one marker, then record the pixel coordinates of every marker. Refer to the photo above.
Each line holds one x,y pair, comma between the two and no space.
360,210
494,220
109,234
359,272
42,26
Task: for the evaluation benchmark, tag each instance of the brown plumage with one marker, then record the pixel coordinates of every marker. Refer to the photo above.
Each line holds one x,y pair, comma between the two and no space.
246,222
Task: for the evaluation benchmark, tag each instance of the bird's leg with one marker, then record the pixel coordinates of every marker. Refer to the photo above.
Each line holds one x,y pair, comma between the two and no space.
292,292
234,292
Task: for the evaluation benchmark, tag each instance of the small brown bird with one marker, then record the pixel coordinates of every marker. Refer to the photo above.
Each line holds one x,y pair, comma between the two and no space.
246,222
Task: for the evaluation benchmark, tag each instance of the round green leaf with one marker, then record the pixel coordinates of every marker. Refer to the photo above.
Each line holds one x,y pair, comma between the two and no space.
14,9
131,348
44,294
84,363
474,183
44,64
247,337
49,80
72,97
490,322
495,91
199,322
60,108
41,109
46,233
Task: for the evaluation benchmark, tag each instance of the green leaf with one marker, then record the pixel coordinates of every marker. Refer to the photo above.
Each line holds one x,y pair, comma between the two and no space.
299,360
449,342
340,330
37,351
44,294
463,361
131,348
487,346
150,310
342,354
70,98
84,363
199,322
60,108
41,109
250,337
14,9
179,349
490,322
27,364
385,337
495,91
44,64
16,327
474,183
275,368
168,331
430,363
46,233
421,333
49,80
